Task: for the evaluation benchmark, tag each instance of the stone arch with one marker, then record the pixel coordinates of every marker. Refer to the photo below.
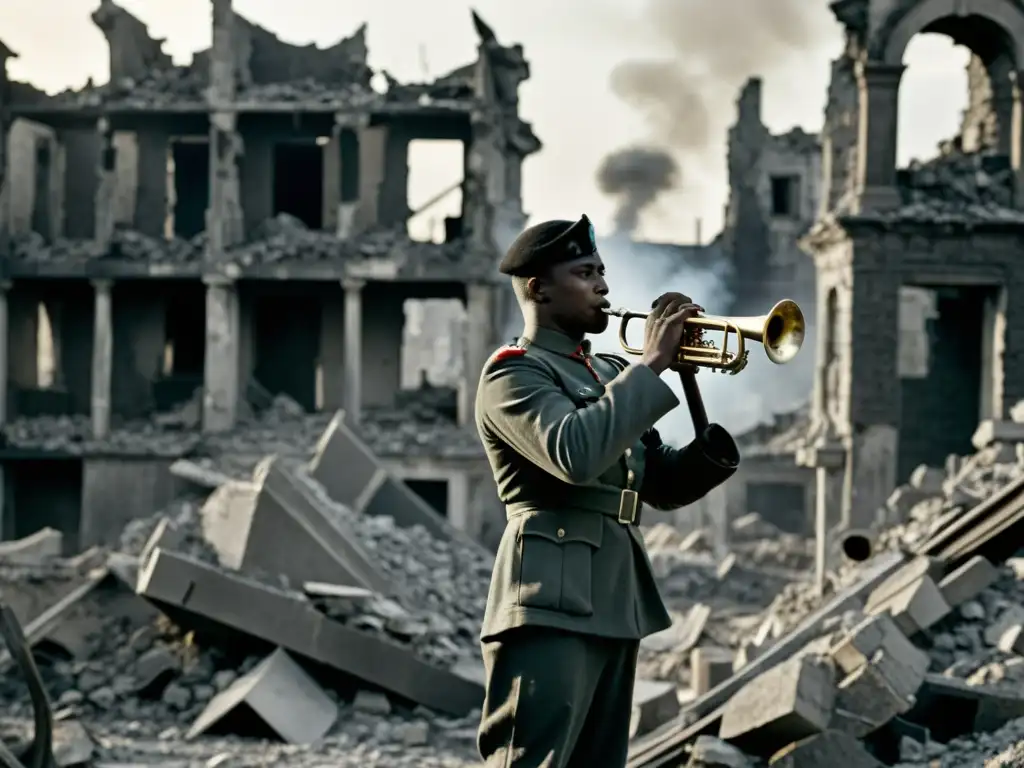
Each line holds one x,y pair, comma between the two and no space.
924,16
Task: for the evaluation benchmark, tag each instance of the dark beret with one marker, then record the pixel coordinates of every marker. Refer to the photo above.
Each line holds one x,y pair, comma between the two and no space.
546,244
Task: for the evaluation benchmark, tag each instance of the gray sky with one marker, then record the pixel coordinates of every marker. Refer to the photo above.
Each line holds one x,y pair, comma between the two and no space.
569,100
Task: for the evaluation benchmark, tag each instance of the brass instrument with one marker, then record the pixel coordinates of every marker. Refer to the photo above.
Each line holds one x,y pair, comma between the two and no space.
857,546
781,332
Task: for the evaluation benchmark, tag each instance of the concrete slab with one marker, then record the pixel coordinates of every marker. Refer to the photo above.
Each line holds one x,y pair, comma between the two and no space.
280,694
654,702
203,597
787,703
831,748
247,523
967,581
906,575
352,475
40,547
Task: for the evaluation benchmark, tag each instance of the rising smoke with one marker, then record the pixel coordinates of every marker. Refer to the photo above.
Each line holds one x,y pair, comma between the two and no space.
635,176
688,102
637,275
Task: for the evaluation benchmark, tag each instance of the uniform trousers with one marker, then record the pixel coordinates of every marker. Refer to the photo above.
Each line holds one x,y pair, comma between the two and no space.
556,699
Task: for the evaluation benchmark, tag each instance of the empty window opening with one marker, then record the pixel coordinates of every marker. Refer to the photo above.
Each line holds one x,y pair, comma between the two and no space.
189,174
434,492
299,181
436,171
785,195
940,402
933,96
41,221
45,493
433,339
185,347
47,349
287,346
784,505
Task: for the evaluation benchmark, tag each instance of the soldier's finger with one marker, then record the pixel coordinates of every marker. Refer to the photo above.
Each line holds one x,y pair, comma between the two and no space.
659,305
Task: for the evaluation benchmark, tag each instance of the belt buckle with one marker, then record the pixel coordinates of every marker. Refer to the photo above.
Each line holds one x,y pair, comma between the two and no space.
629,504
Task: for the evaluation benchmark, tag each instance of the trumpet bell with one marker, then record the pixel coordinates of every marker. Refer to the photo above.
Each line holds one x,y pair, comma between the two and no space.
781,332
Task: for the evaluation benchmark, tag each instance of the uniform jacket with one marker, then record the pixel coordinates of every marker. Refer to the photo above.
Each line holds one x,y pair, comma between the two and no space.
563,446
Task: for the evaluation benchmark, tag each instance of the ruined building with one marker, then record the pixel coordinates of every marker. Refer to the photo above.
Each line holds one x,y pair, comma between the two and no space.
182,245
920,279
774,198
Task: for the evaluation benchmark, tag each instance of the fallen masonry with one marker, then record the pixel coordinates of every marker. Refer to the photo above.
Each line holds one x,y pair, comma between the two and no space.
914,658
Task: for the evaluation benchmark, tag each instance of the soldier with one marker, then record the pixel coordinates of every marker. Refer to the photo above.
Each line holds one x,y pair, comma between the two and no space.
575,457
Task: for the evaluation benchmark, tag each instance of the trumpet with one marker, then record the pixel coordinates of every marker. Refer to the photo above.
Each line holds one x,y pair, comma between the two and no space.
781,332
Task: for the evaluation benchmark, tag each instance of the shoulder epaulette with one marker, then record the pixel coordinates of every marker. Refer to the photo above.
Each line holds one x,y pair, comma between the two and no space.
508,352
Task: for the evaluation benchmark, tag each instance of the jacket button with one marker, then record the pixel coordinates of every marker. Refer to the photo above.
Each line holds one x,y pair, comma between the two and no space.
561,533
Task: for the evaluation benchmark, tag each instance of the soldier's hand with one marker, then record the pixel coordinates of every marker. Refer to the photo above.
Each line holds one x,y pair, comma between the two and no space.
663,331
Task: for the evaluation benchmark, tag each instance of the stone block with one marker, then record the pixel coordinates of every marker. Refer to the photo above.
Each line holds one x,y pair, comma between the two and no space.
709,666
967,581
711,752
880,642
1011,616
902,578
832,748
865,701
785,704
35,549
902,500
917,607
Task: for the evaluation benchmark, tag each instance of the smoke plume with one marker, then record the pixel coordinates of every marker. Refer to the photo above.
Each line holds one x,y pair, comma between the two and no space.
715,45
636,176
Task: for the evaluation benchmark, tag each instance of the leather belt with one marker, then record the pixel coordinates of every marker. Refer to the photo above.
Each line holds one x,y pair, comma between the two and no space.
622,504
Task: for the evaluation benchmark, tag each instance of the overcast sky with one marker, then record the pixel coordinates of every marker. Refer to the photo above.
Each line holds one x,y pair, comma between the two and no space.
711,47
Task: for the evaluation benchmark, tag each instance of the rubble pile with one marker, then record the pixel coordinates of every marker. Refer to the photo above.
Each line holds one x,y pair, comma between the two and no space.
284,239
126,245
162,86
310,92
918,663
135,661
977,185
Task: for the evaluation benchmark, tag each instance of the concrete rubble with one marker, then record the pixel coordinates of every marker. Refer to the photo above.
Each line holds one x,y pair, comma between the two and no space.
922,666
140,663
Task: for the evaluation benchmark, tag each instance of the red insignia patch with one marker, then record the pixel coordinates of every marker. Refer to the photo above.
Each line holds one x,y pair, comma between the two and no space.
508,352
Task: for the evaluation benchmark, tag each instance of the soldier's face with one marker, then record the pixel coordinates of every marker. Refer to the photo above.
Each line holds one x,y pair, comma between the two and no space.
577,294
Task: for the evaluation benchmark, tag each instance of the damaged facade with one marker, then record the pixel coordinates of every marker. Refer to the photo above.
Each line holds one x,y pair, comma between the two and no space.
920,283
774,199
191,251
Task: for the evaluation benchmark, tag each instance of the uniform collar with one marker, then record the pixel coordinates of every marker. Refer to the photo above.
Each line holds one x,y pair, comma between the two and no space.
556,341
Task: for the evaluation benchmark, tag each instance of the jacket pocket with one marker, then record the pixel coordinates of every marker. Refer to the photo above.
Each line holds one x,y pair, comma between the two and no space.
556,552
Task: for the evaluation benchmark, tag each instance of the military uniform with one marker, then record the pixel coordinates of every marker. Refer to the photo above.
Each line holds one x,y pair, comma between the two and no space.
575,458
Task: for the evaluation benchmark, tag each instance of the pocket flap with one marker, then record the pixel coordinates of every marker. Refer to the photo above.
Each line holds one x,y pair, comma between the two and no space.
566,526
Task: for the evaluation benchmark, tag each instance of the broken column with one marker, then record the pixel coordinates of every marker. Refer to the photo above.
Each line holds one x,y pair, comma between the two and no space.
221,387
353,346
224,229
879,84
102,358
106,187
828,459
480,342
